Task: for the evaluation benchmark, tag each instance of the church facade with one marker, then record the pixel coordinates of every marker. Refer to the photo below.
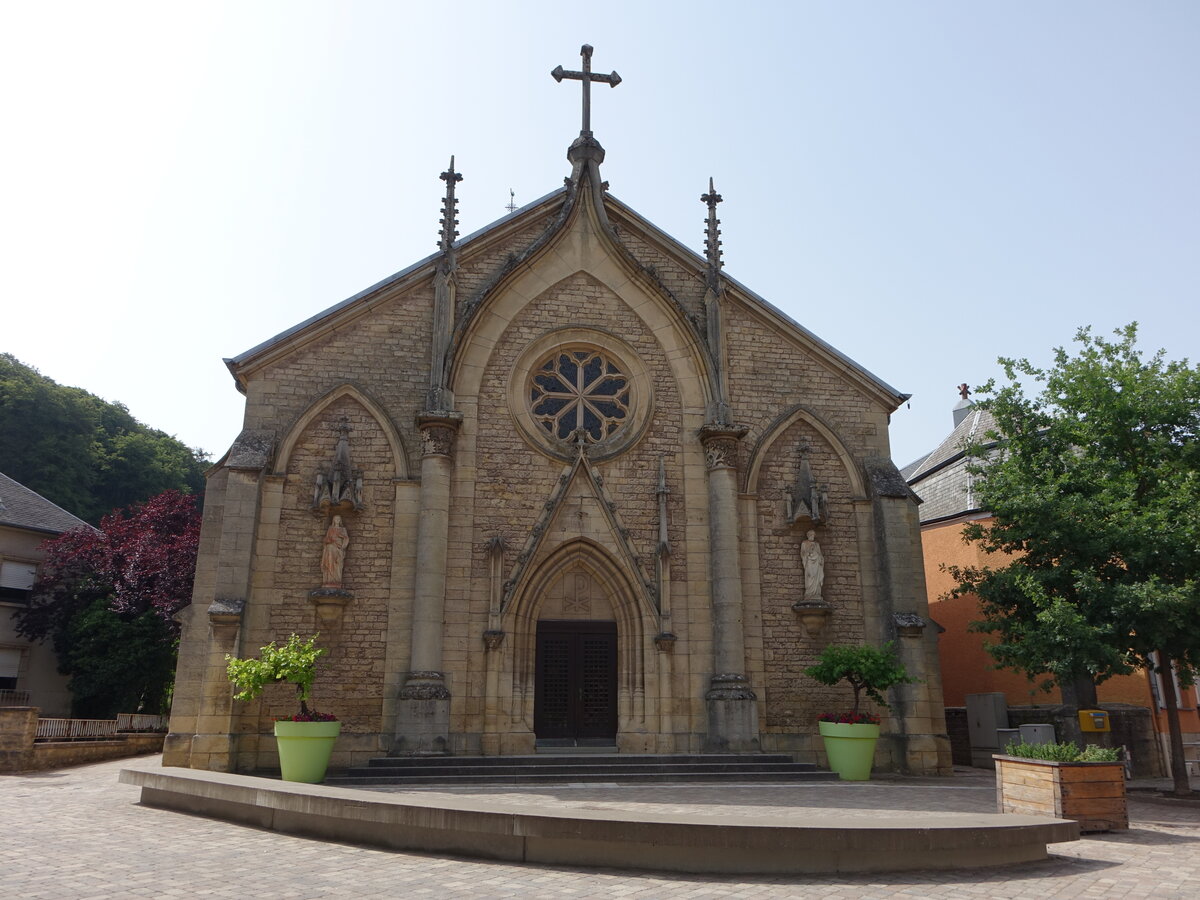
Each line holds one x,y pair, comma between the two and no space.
563,483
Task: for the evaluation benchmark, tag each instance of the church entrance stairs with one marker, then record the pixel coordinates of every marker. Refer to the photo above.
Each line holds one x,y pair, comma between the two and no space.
576,768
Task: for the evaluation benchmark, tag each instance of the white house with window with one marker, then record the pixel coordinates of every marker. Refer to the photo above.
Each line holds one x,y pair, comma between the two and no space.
28,671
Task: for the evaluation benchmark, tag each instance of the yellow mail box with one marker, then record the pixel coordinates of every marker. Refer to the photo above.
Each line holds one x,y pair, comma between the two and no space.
1094,720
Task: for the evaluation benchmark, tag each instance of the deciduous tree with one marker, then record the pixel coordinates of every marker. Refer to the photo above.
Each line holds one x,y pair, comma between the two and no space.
1094,490
107,598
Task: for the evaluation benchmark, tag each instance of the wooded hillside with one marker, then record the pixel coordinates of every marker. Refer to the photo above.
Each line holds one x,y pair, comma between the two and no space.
85,454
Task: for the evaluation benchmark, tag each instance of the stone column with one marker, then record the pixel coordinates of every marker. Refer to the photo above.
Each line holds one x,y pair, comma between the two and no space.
423,709
730,702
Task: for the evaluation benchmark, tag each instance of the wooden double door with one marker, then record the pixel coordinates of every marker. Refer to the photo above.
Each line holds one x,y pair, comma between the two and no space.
575,695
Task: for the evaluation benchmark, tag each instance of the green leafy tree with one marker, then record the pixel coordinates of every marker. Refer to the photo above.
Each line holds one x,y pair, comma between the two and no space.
869,670
1094,490
118,663
295,663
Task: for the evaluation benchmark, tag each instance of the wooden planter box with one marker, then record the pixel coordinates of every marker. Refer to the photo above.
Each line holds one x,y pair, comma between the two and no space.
1091,793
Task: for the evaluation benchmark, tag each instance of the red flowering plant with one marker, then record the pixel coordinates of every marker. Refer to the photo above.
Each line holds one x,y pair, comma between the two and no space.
869,670
294,662
850,718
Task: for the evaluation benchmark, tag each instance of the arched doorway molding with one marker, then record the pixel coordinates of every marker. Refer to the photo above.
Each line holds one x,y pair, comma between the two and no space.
636,658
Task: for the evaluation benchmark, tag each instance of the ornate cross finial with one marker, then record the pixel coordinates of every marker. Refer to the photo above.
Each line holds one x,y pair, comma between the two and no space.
712,238
587,77
449,218
964,391
512,201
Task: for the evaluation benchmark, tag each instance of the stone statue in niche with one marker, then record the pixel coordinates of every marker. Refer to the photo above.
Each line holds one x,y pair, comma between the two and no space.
339,487
333,555
813,561
807,501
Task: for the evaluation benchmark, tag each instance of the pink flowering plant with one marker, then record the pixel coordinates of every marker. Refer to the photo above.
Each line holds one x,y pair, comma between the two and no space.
868,670
295,662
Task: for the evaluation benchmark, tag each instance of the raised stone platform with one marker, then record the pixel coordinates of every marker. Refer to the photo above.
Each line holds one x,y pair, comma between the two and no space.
768,842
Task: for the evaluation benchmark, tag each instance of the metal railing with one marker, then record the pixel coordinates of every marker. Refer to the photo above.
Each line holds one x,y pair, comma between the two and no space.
141,722
14,698
75,729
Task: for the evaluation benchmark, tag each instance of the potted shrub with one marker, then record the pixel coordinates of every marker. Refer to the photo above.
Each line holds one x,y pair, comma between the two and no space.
1064,781
305,740
850,737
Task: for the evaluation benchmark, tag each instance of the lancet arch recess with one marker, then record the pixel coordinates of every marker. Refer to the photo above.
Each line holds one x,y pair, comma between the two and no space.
780,425
317,409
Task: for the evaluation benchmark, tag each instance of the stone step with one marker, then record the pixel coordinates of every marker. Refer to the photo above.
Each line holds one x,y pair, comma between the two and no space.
570,768
586,760
649,769
581,776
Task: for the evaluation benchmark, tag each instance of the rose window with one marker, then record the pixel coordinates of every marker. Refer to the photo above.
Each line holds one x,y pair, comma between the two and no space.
579,391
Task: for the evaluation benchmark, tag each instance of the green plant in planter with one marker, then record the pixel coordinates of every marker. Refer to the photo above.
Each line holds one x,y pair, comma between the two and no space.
294,662
869,670
305,740
850,736
1067,751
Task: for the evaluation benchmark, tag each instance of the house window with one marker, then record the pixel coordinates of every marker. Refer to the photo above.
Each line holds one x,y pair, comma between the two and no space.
579,390
10,668
16,580
1158,687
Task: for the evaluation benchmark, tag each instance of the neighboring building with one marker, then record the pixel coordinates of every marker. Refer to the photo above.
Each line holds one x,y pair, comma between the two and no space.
946,488
548,487
28,671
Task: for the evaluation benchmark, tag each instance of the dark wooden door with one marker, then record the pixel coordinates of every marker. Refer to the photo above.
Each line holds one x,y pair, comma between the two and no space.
576,691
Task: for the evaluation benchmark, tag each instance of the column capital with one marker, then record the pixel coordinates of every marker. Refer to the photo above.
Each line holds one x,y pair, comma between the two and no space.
720,444
438,430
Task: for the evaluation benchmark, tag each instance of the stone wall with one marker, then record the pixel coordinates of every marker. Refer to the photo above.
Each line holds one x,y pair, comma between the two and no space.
19,752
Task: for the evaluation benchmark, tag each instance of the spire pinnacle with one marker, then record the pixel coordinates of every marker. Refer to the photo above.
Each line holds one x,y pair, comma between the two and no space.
712,237
449,220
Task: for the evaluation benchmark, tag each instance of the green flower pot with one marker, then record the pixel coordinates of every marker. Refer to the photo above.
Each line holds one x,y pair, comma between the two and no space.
850,749
305,748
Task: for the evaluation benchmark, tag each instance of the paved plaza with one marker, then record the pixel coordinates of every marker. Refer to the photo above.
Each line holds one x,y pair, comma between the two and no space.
78,833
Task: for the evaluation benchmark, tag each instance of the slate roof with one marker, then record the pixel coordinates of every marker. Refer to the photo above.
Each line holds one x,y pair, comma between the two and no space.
22,508
940,478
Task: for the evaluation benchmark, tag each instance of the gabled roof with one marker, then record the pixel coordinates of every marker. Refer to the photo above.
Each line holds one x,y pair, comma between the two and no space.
685,255
940,478
773,311
22,508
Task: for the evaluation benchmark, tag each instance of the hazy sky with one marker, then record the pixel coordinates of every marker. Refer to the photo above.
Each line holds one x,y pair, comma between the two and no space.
925,185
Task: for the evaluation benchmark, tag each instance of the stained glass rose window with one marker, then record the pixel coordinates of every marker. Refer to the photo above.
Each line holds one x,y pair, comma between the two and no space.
579,391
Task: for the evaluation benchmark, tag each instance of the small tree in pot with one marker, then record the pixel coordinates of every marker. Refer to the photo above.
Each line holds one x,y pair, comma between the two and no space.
850,737
305,739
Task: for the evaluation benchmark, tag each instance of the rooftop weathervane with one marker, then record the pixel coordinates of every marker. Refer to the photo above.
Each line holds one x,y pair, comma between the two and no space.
587,77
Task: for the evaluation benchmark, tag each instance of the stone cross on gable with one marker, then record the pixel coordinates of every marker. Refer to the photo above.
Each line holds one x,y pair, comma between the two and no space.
587,77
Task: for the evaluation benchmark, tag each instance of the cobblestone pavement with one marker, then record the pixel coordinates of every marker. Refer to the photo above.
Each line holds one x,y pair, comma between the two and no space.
77,833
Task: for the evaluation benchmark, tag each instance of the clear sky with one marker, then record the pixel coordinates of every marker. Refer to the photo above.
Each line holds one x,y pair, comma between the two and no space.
924,185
